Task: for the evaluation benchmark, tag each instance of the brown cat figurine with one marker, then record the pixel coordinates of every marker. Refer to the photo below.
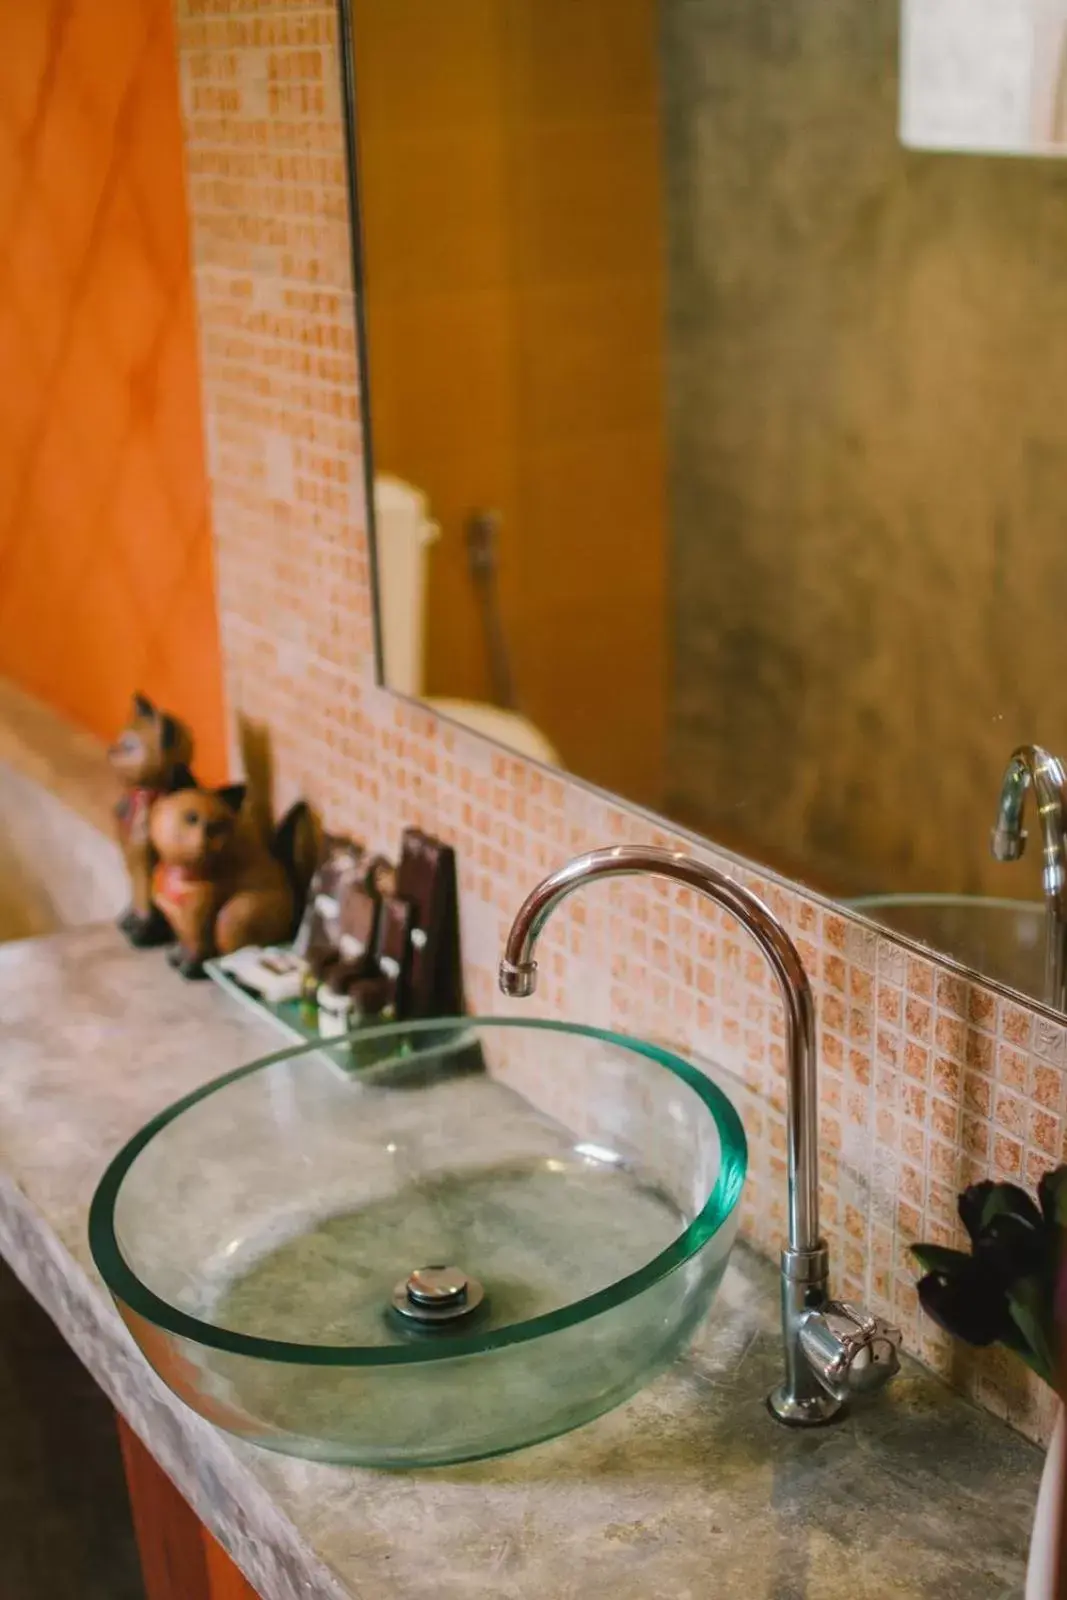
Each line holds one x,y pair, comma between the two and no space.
151,758
219,885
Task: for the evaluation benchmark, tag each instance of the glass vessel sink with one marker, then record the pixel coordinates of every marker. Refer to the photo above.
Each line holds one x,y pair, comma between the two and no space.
1002,939
426,1244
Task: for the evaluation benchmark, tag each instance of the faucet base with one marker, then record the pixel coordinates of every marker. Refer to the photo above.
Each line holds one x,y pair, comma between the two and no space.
809,1411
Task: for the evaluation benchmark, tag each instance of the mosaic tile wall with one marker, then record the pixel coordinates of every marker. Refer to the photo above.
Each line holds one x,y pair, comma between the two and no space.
927,1082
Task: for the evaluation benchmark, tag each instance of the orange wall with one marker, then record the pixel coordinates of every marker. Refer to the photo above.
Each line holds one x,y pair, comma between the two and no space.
512,221
106,581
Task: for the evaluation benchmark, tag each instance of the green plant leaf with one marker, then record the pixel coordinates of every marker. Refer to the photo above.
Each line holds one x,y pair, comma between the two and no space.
1005,1290
966,1302
983,1203
1030,1304
1014,1341
1052,1192
937,1258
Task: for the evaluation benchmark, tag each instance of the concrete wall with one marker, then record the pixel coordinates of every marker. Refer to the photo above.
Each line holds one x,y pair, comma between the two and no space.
868,439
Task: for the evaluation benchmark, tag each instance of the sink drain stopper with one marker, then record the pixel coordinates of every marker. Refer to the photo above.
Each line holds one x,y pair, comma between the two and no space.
437,1294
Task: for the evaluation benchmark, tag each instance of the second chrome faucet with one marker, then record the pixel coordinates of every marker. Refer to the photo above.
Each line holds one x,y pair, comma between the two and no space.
1031,766
832,1349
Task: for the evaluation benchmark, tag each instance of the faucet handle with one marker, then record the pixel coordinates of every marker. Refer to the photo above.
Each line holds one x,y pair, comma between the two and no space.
849,1350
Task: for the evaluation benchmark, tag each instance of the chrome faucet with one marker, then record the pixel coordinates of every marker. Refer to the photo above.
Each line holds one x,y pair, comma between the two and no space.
1032,765
832,1348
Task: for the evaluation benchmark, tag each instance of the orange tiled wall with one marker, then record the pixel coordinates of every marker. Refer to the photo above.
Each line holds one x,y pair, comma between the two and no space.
928,1081
106,581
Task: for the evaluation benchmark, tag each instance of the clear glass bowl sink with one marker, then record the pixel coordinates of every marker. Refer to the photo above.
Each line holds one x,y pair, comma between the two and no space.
259,1237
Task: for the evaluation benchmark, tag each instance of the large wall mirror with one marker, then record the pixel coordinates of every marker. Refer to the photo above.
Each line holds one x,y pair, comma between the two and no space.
719,439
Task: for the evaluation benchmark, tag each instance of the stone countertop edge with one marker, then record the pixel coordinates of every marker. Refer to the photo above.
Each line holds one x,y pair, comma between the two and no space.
687,1491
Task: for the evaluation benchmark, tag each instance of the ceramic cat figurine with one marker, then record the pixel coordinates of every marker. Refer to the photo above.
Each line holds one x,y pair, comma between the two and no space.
151,758
220,885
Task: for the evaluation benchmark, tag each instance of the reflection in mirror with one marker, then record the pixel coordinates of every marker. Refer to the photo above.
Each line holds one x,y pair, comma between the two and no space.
720,439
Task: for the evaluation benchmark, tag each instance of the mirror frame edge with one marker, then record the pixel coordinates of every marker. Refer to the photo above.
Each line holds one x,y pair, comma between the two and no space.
349,112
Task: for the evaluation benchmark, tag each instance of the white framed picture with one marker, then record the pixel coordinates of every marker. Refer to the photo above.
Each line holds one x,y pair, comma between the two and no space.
985,76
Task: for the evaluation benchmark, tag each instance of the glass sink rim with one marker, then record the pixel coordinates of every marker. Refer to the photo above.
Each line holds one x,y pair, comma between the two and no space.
125,1285
927,899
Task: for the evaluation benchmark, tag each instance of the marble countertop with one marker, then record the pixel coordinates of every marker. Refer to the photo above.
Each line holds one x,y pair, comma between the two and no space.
690,1490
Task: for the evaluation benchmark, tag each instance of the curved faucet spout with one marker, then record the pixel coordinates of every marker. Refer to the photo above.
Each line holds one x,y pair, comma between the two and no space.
518,978
813,1390
1031,766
